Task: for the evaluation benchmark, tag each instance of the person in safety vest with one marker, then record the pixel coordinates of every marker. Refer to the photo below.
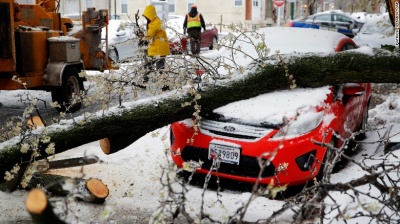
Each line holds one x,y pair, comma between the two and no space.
156,37
193,23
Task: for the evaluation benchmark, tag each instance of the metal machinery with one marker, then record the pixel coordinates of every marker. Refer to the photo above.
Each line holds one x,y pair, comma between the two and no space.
35,48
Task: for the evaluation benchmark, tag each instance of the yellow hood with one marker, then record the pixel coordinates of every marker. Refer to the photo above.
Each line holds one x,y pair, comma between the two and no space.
150,12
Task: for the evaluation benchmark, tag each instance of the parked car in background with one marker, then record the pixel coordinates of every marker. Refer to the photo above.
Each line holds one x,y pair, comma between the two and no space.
179,42
376,32
330,20
278,128
122,41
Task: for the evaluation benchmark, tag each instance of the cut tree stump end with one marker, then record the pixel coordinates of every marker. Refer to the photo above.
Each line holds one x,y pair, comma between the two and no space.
36,202
105,145
97,188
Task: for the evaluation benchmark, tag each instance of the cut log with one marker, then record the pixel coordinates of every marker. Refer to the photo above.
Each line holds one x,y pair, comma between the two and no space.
113,144
34,122
133,123
40,208
94,191
91,190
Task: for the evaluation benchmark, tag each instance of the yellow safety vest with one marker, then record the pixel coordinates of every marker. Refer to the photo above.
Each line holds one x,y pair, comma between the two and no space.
193,21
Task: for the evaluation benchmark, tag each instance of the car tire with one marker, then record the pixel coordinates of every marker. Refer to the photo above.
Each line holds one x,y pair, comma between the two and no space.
329,155
187,51
71,86
362,129
214,41
113,54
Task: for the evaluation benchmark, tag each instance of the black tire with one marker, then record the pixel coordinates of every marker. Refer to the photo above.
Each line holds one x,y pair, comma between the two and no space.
188,51
329,155
214,41
113,54
363,126
71,86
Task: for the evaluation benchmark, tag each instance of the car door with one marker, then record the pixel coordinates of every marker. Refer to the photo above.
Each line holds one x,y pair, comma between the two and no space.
322,22
343,24
207,36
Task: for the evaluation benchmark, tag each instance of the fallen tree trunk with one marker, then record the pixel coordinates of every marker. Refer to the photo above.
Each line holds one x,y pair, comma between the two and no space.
131,124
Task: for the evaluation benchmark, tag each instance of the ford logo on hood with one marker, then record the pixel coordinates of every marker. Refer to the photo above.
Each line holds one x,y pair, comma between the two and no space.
229,128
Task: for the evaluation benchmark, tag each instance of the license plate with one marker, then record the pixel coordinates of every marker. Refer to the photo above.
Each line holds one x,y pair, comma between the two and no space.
226,154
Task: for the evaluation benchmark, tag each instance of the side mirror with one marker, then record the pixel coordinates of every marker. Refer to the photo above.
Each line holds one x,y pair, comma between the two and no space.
353,89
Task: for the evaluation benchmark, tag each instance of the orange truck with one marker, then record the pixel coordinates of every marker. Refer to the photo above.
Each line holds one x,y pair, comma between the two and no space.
35,49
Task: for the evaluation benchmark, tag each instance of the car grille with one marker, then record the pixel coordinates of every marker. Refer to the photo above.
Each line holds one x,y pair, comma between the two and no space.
248,166
234,130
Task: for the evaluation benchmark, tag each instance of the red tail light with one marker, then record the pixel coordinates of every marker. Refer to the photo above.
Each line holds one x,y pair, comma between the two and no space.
291,24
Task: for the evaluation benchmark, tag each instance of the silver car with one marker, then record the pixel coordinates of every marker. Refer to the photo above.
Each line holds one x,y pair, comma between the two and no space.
122,41
375,33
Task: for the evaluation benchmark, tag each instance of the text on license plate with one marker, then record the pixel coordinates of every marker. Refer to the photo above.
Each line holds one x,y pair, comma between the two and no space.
227,154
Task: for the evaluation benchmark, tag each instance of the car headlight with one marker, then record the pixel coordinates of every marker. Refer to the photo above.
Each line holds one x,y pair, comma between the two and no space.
302,124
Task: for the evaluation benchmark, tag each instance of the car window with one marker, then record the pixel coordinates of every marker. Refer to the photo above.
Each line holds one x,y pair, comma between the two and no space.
323,18
341,18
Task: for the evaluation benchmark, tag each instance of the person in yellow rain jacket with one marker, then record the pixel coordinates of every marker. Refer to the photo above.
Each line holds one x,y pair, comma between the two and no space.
156,37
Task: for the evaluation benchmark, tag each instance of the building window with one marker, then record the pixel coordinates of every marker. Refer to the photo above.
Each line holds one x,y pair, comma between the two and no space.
190,3
171,6
255,3
89,3
124,6
238,2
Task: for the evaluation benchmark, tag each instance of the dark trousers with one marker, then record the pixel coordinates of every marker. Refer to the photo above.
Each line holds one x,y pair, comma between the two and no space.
159,64
195,39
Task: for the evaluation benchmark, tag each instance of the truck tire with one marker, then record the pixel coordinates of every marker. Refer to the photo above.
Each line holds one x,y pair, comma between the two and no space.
214,42
71,86
113,54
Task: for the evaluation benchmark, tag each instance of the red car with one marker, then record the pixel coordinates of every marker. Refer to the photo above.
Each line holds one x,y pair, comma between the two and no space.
179,43
278,129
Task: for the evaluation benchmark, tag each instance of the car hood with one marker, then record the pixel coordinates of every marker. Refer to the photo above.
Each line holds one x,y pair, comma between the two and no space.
270,109
373,40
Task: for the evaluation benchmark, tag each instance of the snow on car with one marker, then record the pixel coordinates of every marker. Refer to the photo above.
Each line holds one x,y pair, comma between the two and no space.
376,32
122,41
275,129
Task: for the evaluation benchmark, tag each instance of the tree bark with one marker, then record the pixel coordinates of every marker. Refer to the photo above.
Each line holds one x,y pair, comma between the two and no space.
130,125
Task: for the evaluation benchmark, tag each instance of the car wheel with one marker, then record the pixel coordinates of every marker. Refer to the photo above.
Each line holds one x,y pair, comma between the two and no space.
113,54
362,129
214,42
328,157
71,87
187,46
